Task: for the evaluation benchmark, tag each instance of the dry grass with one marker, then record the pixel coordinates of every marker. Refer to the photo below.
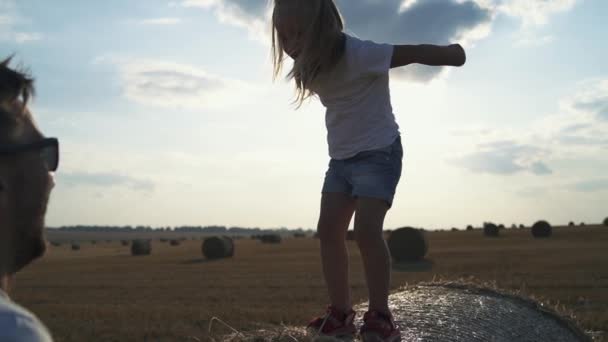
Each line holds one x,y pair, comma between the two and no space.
101,293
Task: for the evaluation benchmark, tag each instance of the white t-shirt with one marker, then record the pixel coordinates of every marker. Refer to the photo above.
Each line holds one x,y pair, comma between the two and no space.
19,325
356,93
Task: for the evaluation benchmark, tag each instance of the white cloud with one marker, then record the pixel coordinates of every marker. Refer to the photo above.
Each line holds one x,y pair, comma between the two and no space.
407,21
392,21
505,158
248,14
174,85
105,180
160,21
578,132
11,24
22,37
534,12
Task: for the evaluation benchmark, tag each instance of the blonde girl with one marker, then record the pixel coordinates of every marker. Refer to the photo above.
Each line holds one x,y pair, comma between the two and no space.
350,76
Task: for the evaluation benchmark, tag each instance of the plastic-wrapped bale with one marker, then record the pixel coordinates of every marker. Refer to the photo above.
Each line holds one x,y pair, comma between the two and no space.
174,243
490,229
218,247
271,238
541,229
408,244
141,247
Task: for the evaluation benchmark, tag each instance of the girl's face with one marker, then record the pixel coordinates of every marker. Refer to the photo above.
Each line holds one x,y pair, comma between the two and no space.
290,35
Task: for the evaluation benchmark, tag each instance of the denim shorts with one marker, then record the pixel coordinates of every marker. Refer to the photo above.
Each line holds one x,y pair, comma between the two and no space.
373,173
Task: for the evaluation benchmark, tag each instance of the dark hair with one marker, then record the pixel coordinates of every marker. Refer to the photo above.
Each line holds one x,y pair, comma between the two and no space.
14,84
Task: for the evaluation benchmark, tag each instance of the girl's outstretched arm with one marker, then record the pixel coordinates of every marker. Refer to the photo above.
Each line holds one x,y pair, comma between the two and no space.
451,55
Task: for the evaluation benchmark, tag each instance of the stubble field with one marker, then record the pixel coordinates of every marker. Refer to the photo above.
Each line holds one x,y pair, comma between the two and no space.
102,293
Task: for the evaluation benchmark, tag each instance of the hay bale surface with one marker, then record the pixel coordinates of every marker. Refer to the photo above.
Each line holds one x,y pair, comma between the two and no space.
218,247
542,229
408,244
141,247
463,312
491,230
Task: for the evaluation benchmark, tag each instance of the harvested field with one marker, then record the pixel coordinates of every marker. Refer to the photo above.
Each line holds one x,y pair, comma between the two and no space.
101,293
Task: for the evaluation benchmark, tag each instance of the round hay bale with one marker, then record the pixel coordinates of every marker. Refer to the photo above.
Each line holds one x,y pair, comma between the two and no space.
408,244
464,312
491,230
125,242
271,238
75,247
541,229
141,247
174,243
217,247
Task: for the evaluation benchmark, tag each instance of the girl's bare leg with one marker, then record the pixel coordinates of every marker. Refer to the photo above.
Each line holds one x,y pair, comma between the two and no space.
336,212
369,221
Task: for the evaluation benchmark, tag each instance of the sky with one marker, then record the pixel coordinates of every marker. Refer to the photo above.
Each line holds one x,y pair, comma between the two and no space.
168,115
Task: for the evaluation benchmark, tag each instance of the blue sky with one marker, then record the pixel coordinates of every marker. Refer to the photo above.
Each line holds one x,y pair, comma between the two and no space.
167,113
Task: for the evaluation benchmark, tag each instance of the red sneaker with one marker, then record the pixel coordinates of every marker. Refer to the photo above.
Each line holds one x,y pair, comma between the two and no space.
379,327
334,323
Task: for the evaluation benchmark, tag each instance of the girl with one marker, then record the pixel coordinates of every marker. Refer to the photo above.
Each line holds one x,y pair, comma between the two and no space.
350,77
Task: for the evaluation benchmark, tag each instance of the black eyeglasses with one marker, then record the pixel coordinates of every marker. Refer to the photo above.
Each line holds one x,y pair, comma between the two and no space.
48,148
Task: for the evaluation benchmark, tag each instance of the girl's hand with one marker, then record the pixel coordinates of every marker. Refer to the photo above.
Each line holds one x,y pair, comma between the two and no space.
458,55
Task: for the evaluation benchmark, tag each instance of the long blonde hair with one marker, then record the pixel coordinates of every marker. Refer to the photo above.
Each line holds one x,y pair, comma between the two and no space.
321,43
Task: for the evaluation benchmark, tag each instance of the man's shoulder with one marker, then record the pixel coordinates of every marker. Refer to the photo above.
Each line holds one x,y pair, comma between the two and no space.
19,325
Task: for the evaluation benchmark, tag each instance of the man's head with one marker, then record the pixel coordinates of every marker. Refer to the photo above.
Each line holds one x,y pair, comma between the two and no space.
27,160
